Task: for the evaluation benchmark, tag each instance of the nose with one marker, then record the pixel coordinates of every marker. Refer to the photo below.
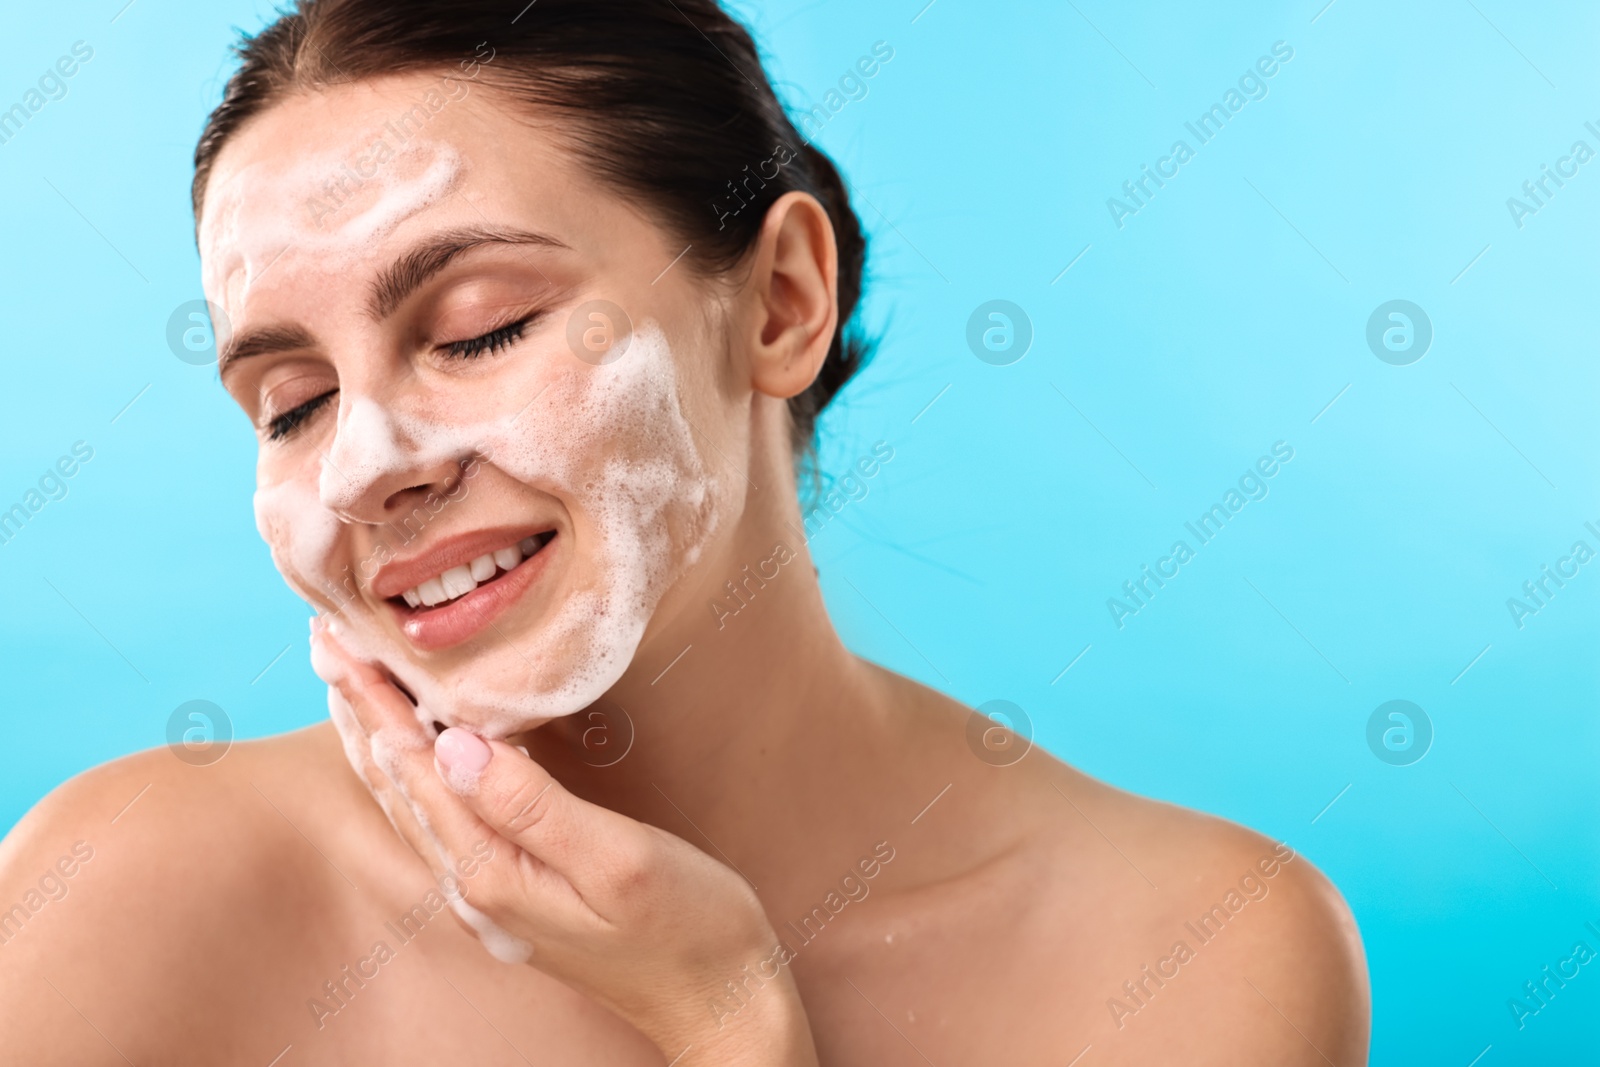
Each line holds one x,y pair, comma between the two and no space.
375,469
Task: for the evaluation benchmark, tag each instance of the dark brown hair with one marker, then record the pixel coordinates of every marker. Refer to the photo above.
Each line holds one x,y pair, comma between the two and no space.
665,99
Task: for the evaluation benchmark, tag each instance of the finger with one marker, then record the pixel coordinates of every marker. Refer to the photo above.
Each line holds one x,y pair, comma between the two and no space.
359,754
451,881
351,734
366,711
396,760
593,848
376,702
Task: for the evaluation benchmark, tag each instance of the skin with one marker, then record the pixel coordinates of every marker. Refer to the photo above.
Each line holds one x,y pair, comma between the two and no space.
764,766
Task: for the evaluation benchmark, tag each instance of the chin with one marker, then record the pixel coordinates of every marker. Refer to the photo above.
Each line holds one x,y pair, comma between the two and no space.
509,679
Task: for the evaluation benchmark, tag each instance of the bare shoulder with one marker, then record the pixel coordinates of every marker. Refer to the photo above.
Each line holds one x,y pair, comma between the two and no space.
1228,946
1151,932
152,814
147,875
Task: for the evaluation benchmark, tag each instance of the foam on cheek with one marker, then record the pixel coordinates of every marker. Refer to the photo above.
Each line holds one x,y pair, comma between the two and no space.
612,441
301,533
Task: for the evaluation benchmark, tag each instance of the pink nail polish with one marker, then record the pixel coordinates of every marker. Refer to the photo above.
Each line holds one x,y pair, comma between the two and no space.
461,752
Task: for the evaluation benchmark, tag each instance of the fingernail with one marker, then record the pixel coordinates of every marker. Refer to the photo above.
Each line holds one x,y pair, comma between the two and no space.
316,626
462,755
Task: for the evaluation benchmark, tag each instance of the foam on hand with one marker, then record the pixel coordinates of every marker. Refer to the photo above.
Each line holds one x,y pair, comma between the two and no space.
500,943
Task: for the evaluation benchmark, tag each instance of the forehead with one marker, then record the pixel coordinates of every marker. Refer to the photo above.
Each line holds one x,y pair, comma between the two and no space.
325,180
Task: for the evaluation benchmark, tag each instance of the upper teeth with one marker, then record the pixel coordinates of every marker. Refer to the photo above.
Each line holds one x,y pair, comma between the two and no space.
459,581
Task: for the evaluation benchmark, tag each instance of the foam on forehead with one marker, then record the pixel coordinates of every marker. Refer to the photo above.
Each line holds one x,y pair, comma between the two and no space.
317,210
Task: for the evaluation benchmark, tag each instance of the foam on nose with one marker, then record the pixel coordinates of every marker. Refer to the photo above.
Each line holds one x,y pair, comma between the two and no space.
367,450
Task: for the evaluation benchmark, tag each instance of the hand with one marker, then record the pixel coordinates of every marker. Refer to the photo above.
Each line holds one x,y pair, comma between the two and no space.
639,920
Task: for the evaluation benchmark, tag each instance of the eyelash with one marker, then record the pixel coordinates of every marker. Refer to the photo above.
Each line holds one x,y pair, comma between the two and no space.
492,341
287,423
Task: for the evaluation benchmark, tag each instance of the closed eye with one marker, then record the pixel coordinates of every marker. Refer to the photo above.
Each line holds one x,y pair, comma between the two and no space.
489,342
290,421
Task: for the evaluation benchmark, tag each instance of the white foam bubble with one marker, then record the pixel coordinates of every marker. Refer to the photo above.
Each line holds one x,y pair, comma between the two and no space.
610,441
366,447
350,733
312,212
501,944
613,440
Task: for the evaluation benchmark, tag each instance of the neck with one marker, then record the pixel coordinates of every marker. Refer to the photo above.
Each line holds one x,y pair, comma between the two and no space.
748,728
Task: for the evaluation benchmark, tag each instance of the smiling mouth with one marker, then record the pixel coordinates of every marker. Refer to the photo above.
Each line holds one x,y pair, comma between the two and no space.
457,582
463,601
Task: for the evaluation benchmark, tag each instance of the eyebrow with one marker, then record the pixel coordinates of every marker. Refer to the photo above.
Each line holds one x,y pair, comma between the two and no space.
393,285
262,341
406,274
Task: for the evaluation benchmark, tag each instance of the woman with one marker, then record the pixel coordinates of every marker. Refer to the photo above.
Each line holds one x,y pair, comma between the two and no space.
533,312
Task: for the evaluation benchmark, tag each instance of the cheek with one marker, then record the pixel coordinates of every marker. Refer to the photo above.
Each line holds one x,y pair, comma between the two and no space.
612,443
302,535
617,440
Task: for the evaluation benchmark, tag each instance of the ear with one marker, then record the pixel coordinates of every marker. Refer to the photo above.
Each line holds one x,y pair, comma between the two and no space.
791,297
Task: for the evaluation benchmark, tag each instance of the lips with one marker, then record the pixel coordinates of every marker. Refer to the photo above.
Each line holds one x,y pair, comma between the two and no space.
455,590
460,580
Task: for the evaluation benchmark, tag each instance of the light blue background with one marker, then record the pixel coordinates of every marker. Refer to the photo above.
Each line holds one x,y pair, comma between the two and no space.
1223,317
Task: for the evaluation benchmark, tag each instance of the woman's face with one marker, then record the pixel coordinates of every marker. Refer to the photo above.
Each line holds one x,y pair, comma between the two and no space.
490,403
